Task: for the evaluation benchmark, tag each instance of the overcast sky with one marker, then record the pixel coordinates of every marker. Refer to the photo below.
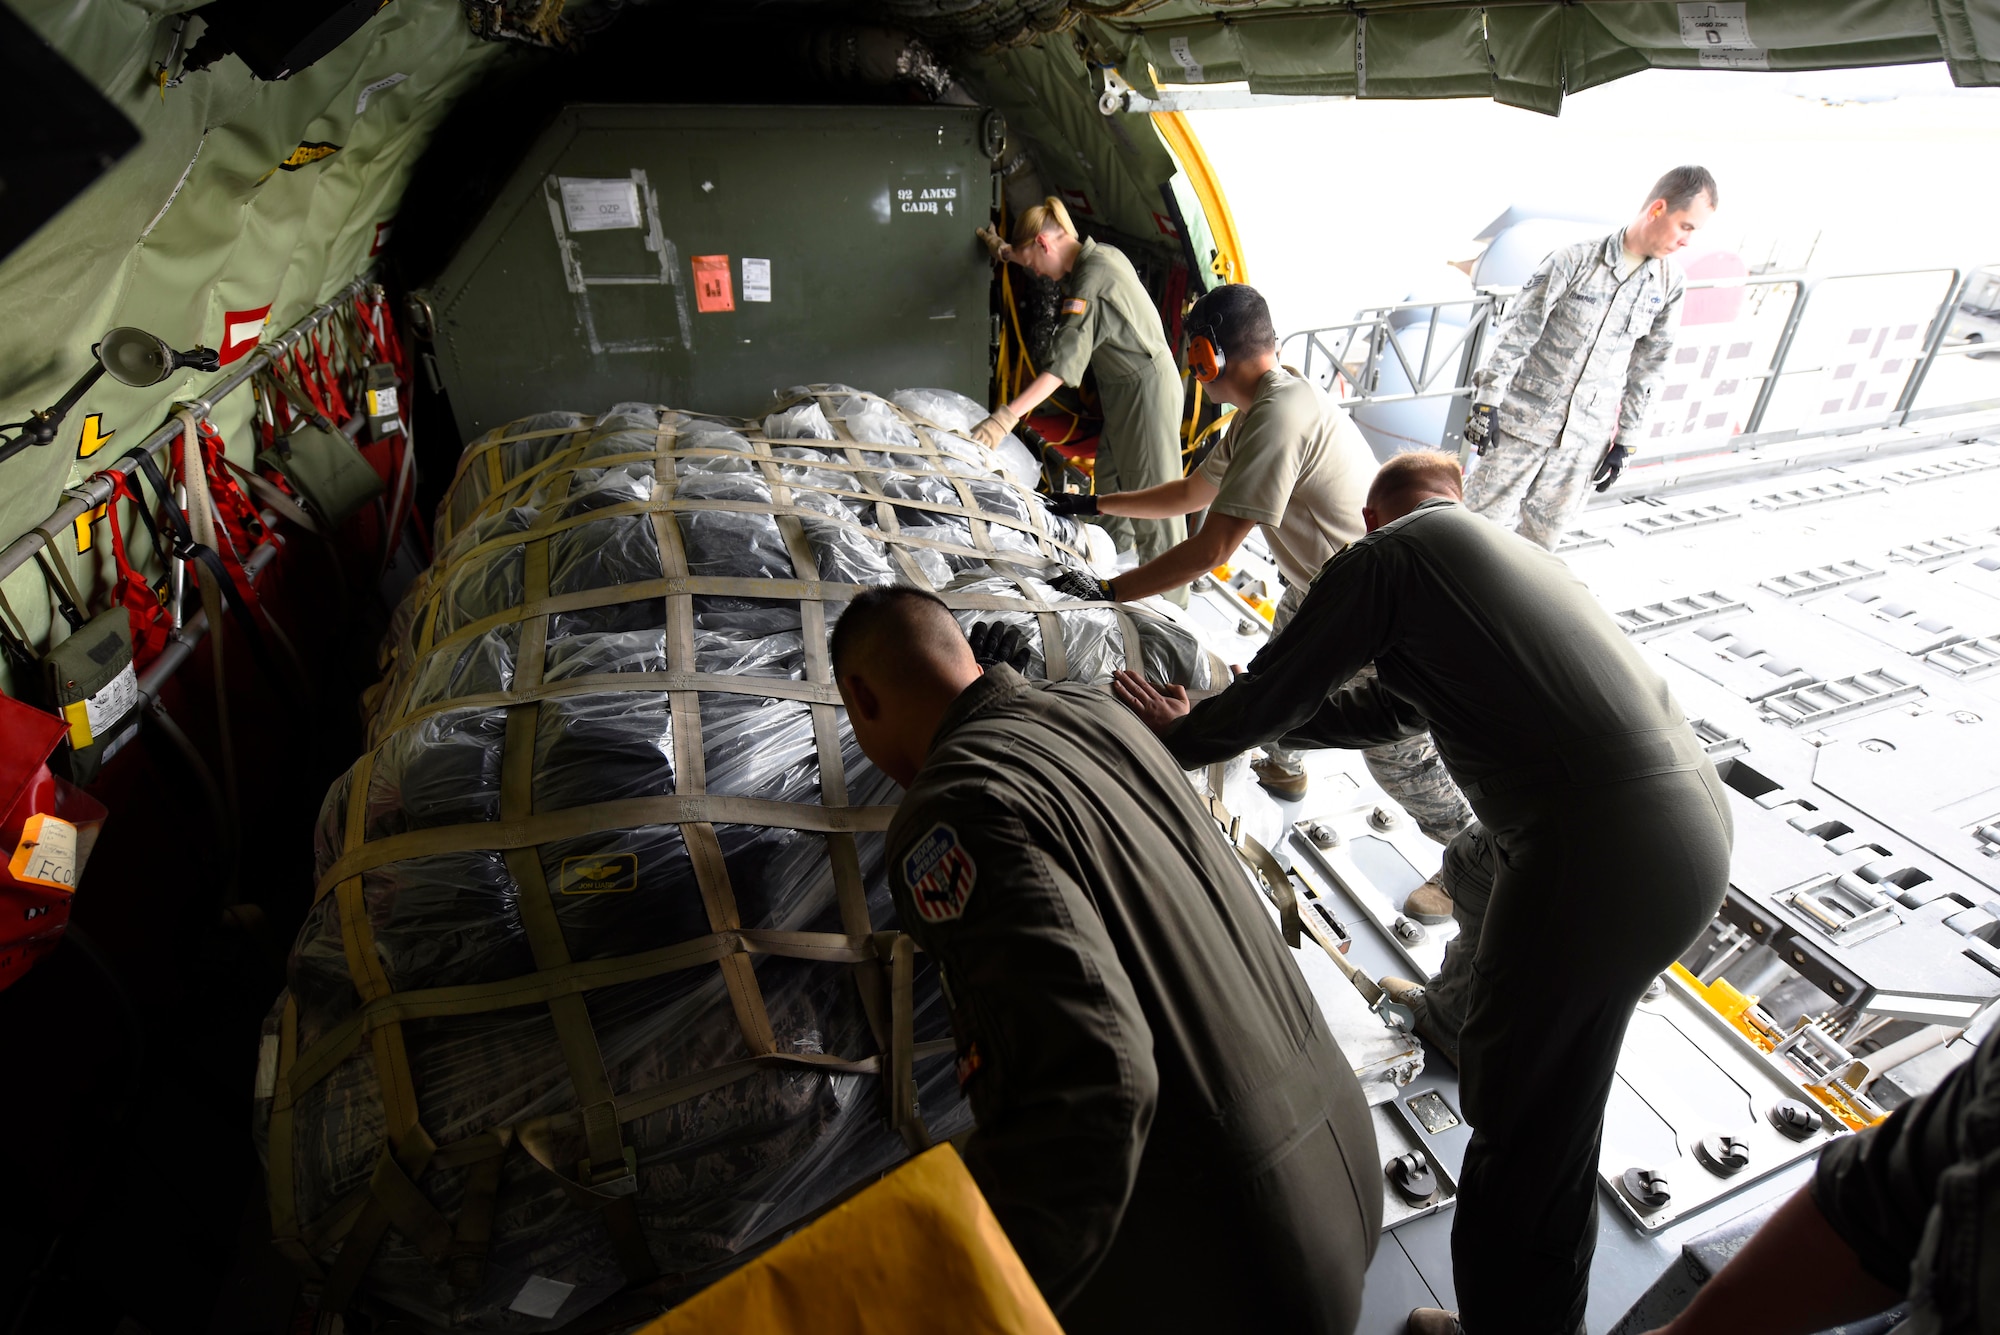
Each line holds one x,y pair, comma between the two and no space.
1344,204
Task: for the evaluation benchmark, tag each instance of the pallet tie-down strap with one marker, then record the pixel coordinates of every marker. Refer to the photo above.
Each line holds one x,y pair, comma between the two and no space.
704,849
286,1234
466,1256
582,976
407,1161
404,1138
1268,869
607,1160
483,1155
556,523
770,590
892,1032
574,822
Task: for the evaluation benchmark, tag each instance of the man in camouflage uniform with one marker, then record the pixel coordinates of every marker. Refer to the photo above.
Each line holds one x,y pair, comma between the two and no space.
1580,353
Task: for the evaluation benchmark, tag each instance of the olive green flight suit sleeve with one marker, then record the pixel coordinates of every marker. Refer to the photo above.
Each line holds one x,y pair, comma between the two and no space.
1347,617
1062,1079
1082,311
1356,717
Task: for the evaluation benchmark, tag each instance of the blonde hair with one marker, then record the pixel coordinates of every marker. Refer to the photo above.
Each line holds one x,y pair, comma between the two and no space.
1047,216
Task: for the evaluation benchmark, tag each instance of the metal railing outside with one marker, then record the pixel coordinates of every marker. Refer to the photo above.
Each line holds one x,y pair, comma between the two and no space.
1433,349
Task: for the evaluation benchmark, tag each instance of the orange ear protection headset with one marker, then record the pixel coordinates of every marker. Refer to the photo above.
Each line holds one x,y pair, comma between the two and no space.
1204,357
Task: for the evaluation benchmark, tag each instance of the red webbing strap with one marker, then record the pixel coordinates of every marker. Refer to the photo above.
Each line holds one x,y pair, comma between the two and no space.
152,625
329,383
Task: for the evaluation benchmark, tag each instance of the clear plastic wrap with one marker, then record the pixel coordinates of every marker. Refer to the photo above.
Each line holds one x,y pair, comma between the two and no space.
578,508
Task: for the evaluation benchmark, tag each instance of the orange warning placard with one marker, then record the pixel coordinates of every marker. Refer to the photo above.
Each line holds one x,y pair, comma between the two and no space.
712,289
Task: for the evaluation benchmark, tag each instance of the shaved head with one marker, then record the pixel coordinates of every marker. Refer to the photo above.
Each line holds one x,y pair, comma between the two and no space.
1410,479
896,623
899,660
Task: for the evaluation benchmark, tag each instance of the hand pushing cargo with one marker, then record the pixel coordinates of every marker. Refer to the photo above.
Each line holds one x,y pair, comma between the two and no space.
1607,821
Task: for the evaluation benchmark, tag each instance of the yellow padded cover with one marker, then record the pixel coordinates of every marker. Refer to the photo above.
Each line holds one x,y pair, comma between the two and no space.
918,1252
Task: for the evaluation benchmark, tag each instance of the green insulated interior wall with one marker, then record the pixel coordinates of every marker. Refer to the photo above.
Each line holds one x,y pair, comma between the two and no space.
203,225
708,256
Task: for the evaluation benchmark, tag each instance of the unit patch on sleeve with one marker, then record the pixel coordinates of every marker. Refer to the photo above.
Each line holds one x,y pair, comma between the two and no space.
1074,306
940,875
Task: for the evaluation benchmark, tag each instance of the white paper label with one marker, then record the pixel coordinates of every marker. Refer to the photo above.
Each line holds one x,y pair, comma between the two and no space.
541,1296
380,85
267,1067
1721,26
756,280
112,702
600,206
46,854
382,402
1177,47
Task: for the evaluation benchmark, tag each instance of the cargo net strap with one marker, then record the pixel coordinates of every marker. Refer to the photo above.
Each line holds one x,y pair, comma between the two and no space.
530,492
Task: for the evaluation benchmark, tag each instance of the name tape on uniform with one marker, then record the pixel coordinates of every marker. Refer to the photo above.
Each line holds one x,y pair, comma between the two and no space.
940,875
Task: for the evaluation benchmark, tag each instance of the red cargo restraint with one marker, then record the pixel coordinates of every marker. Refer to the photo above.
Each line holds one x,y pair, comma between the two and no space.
34,911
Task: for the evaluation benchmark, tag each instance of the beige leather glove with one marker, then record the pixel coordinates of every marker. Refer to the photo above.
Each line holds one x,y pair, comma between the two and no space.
994,428
995,247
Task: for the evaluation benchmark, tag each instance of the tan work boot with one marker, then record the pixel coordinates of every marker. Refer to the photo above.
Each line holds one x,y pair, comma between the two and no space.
1430,903
1405,992
1277,782
1432,1321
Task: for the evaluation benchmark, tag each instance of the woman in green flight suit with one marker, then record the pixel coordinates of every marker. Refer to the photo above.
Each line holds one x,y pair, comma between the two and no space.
1109,325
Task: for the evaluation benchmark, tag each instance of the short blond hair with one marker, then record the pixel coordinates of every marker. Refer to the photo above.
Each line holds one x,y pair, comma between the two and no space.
1047,216
1417,472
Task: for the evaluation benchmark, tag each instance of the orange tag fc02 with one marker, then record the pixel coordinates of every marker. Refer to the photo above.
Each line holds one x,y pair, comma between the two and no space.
46,854
1074,306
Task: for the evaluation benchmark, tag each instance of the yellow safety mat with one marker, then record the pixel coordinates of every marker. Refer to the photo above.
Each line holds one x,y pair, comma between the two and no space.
916,1253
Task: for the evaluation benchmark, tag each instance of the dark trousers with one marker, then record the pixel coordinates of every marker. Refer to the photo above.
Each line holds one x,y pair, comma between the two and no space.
1595,890
1279,1246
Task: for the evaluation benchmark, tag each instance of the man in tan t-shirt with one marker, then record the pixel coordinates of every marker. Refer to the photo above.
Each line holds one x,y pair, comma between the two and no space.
1292,461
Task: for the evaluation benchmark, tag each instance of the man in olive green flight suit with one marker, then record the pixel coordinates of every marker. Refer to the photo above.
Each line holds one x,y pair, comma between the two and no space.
1609,834
1166,1130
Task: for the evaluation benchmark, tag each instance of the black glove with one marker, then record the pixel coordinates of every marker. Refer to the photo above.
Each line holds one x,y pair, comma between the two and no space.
1610,466
1070,503
996,642
1077,584
1479,427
